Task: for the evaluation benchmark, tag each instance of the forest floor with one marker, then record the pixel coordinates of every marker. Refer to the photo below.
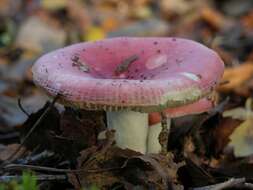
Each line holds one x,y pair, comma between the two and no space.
60,146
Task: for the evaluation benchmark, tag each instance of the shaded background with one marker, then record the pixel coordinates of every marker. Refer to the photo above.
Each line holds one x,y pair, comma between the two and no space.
30,28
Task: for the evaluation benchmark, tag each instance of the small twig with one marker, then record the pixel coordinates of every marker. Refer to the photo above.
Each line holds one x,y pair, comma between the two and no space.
227,184
164,134
38,168
6,179
34,127
42,155
22,108
57,170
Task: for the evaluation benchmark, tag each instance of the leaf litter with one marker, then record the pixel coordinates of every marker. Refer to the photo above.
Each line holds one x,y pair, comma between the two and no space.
206,151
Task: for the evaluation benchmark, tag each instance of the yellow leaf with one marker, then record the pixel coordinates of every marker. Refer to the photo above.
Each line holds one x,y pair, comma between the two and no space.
94,33
242,139
53,4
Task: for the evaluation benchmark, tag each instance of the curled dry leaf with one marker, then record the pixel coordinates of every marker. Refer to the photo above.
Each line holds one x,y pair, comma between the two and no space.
222,133
213,17
99,166
235,77
124,166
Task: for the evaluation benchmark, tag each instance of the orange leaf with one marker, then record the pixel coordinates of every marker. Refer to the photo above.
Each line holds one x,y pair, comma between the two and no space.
236,76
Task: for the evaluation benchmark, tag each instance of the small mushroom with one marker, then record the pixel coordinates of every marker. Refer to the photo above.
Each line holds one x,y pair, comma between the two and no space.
129,78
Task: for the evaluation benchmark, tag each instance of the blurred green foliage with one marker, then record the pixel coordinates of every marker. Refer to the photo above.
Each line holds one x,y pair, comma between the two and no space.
28,182
92,187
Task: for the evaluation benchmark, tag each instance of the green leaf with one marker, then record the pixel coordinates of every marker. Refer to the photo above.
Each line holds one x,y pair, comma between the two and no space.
29,181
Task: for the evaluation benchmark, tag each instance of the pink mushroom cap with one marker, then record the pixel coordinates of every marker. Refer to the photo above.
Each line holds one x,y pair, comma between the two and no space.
141,74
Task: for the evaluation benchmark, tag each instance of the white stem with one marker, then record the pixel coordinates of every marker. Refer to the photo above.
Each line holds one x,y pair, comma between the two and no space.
131,129
153,145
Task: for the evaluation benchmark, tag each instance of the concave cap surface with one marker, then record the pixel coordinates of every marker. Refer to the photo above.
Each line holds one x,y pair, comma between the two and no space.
141,74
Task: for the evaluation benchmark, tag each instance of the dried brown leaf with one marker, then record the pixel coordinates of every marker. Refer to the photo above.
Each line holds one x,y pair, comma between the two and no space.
223,131
9,150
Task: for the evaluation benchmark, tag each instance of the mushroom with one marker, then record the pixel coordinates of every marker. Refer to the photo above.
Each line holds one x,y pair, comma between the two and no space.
129,78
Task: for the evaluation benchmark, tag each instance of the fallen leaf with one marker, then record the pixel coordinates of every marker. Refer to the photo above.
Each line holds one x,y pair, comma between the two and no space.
9,150
213,17
242,139
194,175
222,133
105,167
53,5
43,131
247,20
157,167
110,24
179,7
235,77
94,33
